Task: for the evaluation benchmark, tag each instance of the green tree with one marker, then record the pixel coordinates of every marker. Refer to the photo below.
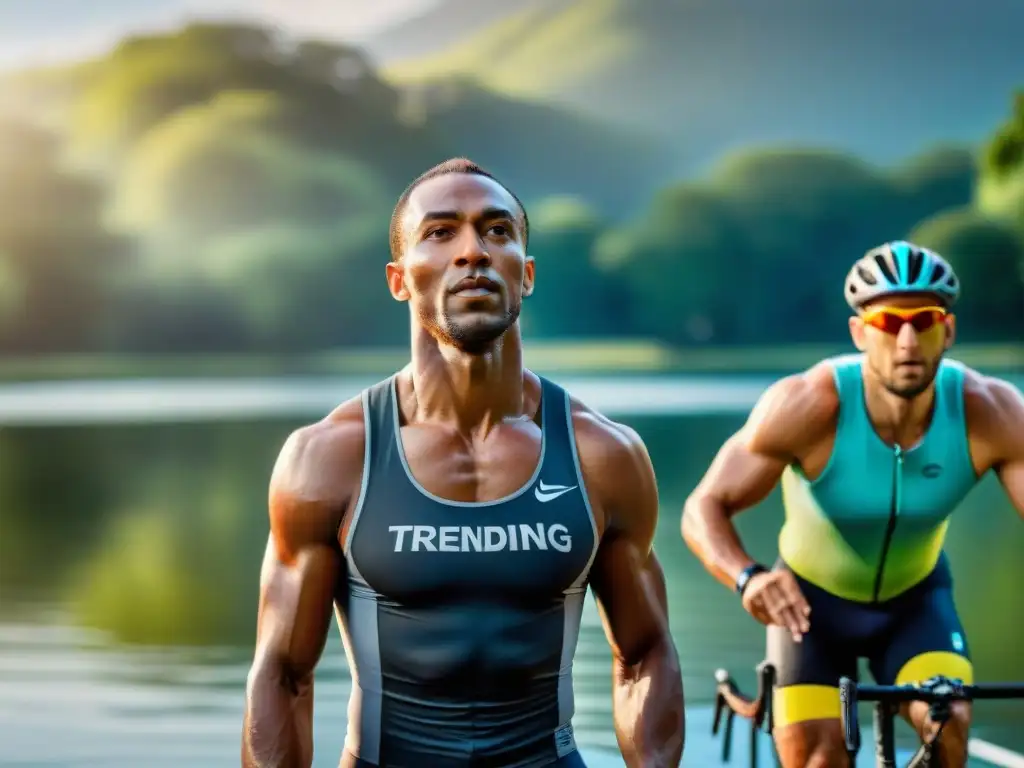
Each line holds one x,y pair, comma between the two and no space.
758,252
564,231
988,256
146,79
270,232
936,180
163,313
224,167
306,288
1001,187
57,263
806,214
677,263
332,98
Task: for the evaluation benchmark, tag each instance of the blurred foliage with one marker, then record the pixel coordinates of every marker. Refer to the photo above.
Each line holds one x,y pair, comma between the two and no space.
983,251
1001,191
57,262
224,189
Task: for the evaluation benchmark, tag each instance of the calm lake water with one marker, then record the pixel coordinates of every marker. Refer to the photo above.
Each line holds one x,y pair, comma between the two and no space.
130,552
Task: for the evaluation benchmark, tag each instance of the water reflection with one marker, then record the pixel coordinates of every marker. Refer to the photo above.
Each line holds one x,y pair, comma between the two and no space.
153,535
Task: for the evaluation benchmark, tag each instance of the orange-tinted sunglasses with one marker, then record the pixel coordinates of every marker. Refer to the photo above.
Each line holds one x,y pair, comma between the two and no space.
891,319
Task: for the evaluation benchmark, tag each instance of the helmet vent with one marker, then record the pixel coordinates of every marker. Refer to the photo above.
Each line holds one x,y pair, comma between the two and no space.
866,275
916,264
883,265
938,272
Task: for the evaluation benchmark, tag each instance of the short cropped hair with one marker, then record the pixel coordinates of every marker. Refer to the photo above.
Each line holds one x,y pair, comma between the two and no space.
454,165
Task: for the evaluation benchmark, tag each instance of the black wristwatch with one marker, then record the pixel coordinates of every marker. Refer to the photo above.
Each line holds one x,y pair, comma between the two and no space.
746,575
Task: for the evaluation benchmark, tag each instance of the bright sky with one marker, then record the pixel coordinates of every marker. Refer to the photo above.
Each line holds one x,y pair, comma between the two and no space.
54,30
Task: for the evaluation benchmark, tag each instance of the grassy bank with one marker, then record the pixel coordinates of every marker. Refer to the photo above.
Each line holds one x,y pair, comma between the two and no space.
584,357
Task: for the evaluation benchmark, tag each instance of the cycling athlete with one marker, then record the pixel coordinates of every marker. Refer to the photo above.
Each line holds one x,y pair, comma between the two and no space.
874,452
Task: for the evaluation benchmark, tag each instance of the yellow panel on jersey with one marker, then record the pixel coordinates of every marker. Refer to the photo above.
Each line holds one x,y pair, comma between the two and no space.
817,550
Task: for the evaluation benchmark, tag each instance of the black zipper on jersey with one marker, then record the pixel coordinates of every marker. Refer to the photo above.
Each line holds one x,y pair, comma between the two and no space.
894,511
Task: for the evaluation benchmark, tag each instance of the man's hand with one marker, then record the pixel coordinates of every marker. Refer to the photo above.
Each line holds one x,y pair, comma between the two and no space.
775,598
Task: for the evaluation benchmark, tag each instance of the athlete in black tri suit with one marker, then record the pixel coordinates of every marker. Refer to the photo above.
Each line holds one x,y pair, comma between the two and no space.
453,516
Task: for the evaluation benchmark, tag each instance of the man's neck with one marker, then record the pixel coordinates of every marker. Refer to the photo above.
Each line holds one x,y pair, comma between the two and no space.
473,393
899,419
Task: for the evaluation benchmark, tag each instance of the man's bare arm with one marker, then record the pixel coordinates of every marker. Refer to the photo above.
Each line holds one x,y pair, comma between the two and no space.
791,415
995,412
630,589
301,567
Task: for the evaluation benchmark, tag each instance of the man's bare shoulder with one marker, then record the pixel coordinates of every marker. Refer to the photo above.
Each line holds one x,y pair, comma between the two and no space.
994,407
315,454
989,391
601,442
810,394
317,473
617,470
794,412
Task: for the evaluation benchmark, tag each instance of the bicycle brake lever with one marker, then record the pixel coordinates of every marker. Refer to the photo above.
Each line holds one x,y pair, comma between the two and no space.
851,726
716,722
727,736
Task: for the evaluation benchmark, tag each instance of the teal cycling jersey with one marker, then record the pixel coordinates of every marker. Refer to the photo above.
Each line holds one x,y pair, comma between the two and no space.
873,524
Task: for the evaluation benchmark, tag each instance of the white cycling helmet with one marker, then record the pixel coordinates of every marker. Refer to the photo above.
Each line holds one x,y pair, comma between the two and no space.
900,267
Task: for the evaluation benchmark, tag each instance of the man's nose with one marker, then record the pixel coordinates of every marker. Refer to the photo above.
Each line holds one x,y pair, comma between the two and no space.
907,339
471,250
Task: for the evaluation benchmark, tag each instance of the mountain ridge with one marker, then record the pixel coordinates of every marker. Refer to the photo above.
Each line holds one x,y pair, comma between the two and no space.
875,78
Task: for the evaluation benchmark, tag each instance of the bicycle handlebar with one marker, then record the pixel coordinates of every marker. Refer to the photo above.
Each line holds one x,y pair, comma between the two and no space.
731,702
947,690
936,691
729,696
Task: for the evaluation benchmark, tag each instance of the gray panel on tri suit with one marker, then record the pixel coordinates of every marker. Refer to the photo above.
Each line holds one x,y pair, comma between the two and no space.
461,619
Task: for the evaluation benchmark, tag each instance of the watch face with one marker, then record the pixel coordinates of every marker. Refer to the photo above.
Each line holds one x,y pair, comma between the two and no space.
747,575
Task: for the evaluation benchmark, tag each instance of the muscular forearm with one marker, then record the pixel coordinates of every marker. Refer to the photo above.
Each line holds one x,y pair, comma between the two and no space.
278,731
648,708
710,534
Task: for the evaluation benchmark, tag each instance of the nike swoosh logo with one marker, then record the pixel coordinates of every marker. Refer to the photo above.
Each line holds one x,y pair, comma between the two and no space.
545,492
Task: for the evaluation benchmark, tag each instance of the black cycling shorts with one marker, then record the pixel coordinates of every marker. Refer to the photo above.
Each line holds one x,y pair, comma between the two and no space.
909,638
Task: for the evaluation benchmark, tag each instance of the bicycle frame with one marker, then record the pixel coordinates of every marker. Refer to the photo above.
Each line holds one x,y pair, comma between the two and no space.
757,710
938,692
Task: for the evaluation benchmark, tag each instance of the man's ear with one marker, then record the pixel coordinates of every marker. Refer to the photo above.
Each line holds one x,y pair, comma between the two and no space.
529,272
396,281
858,334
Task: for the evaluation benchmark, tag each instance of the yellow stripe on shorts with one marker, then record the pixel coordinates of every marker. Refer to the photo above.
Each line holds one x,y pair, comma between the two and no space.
799,703
926,665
